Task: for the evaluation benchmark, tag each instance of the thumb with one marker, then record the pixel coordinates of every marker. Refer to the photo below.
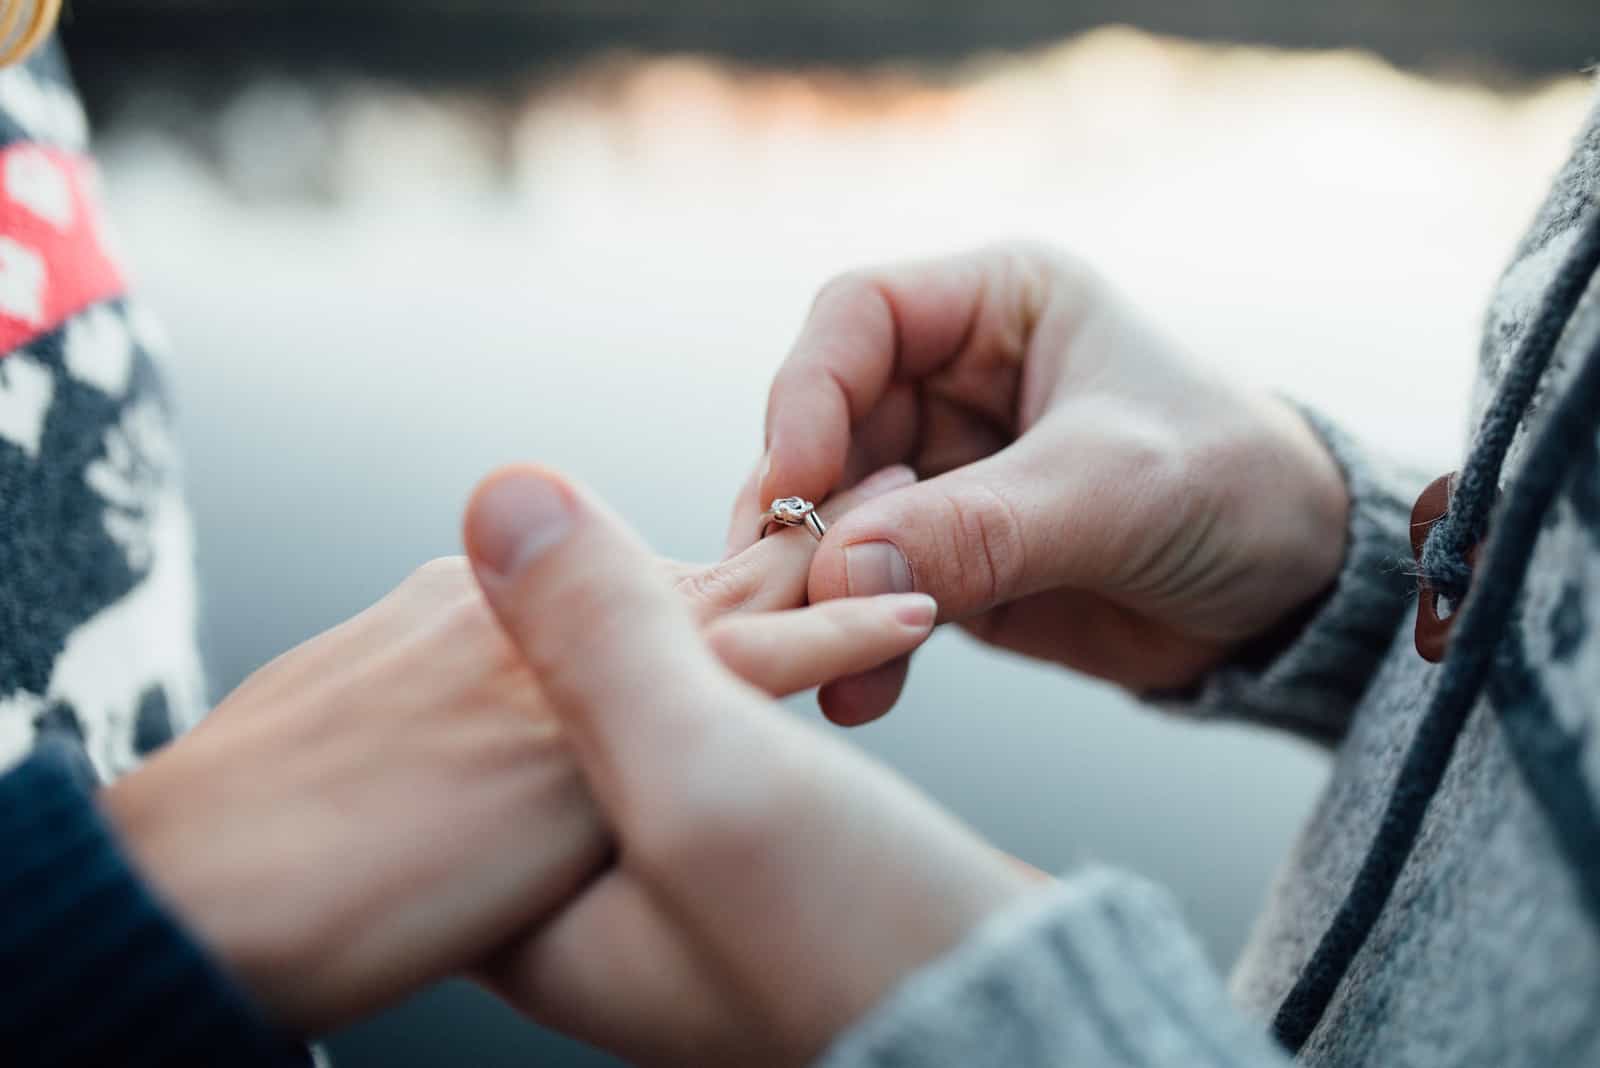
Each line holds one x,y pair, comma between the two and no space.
615,650
974,538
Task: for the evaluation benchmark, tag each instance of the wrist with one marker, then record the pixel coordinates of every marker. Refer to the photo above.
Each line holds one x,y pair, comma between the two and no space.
981,890
924,898
92,930
1318,546
1294,507
174,827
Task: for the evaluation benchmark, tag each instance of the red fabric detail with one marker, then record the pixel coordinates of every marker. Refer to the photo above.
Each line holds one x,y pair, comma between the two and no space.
59,228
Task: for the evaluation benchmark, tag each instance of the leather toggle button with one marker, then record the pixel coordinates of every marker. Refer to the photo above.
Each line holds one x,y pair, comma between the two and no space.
1433,628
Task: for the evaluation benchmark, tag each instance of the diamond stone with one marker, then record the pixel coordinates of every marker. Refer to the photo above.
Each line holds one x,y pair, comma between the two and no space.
791,510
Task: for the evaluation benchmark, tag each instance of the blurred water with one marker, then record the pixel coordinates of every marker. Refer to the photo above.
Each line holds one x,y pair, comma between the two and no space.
378,297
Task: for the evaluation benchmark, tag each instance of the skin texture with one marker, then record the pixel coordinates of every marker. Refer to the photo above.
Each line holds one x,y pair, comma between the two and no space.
1089,496
771,884
391,802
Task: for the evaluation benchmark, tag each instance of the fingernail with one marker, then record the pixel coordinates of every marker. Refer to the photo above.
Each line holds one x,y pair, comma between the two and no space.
520,517
915,610
876,567
765,471
886,481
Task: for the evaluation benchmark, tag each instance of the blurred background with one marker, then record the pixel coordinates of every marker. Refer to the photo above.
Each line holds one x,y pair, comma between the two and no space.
398,243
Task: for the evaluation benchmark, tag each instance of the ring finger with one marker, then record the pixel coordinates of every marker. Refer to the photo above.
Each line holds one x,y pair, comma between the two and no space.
772,574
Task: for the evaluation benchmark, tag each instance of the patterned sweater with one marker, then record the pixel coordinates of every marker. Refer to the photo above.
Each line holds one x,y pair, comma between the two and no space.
97,599
98,664
1442,907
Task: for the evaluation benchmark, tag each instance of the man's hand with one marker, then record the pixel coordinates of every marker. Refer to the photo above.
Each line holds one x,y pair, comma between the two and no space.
392,801
1091,496
771,884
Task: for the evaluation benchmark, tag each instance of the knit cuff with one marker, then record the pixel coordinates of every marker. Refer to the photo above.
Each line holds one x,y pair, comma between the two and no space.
1099,970
1309,677
102,973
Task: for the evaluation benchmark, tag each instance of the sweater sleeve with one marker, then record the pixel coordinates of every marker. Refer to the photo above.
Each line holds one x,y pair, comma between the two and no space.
1309,677
100,972
1097,971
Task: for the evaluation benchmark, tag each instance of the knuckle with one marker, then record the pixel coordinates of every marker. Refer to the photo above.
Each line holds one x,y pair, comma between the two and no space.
1031,278
987,541
1149,512
719,588
442,573
462,610
448,589
462,622
1034,262
1152,465
847,287
472,628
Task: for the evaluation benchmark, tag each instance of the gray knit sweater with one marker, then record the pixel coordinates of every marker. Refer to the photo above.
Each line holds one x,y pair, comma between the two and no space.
1443,919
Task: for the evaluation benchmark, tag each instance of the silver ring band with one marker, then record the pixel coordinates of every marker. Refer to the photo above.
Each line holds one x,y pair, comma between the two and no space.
794,512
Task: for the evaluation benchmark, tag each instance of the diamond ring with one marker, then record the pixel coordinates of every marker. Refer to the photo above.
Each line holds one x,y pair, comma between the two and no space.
794,512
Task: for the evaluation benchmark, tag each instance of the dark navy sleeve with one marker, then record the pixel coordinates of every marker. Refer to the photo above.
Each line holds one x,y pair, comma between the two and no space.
97,970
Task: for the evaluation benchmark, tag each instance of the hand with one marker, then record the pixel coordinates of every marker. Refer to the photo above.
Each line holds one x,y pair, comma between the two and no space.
390,802
1092,497
771,884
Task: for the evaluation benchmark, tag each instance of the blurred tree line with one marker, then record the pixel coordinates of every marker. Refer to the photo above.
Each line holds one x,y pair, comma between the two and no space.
498,42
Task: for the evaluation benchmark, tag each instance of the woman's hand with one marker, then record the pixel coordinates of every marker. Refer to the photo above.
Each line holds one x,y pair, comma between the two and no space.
1092,497
391,801
771,884
749,609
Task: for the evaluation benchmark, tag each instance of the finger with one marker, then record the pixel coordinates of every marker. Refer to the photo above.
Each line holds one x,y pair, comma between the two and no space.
888,437
1036,516
771,575
859,699
889,434
787,652
614,648
929,430
747,508
868,331
954,434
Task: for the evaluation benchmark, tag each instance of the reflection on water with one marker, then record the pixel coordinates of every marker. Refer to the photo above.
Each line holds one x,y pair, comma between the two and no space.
377,297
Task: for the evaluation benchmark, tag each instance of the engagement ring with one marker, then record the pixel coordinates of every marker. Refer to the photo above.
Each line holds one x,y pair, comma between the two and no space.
794,512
